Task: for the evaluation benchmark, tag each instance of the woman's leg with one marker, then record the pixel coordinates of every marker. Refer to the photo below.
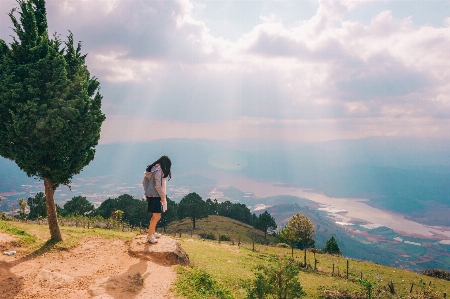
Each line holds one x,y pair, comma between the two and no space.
153,221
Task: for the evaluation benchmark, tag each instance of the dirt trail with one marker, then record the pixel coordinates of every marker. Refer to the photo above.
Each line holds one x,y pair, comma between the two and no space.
97,268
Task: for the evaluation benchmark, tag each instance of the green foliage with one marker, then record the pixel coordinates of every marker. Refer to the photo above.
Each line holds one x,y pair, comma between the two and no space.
49,103
4,216
332,247
368,284
237,211
209,236
279,281
78,205
134,210
50,106
225,238
192,206
439,273
300,229
265,222
117,215
37,206
22,207
299,232
195,283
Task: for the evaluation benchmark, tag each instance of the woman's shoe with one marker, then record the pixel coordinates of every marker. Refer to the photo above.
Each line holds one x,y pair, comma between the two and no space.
157,235
151,239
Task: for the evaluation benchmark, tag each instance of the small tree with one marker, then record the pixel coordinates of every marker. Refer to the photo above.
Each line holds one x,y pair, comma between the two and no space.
192,206
78,205
299,230
49,104
279,281
332,247
37,206
265,222
22,207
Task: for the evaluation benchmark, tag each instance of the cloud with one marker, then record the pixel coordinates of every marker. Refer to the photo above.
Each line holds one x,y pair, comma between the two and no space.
321,74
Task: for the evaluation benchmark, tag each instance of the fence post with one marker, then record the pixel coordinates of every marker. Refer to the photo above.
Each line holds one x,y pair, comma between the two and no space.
411,289
239,242
332,272
391,287
347,269
253,245
445,295
360,275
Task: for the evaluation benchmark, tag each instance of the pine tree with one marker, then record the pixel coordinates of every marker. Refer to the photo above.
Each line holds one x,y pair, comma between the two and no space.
332,247
265,222
192,206
49,104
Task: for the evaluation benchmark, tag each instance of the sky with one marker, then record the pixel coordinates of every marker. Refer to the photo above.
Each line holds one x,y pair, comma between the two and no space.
276,70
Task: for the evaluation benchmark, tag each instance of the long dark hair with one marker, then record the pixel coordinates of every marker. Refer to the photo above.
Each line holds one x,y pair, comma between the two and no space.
165,164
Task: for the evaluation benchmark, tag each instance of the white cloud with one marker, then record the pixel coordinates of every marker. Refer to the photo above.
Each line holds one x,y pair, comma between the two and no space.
323,75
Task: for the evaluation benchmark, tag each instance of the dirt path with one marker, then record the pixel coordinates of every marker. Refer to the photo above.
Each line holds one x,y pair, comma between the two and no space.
97,268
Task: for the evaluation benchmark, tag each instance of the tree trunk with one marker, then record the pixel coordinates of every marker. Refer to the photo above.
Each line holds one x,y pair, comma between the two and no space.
55,234
304,257
193,223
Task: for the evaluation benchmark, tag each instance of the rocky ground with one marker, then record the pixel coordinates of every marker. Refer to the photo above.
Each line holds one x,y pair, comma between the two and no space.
97,268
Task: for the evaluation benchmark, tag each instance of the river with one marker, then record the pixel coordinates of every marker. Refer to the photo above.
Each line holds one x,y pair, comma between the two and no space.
345,209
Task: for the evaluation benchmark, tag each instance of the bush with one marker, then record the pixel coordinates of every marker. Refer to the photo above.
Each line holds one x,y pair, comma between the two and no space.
4,216
209,236
224,238
279,281
197,284
437,273
283,245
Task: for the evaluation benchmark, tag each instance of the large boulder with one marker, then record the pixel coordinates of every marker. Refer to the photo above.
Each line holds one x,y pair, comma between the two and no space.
166,252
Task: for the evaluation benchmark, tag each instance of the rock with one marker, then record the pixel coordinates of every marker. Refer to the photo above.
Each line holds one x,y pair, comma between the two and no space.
166,252
53,279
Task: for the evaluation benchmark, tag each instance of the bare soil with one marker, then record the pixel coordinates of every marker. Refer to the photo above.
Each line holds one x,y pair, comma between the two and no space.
97,268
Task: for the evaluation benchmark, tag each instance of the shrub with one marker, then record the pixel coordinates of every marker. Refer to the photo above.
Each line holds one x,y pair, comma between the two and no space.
279,281
209,236
437,273
283,245
224,238
4,216
195,283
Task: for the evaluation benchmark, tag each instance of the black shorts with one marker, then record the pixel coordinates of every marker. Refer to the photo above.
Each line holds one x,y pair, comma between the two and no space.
154,204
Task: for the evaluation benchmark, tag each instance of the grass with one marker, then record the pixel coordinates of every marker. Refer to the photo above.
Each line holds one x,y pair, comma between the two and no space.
34,238
219,270
218,225
231,265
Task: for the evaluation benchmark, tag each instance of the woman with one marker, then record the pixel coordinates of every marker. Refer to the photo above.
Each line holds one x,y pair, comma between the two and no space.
155,193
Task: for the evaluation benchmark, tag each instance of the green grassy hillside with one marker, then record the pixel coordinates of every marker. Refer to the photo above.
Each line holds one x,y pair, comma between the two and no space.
220,226
225,267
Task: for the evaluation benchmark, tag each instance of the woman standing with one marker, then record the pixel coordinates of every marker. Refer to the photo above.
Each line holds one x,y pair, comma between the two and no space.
155,193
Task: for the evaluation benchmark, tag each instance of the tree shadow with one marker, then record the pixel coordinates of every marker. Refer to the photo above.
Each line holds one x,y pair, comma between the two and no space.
10,283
